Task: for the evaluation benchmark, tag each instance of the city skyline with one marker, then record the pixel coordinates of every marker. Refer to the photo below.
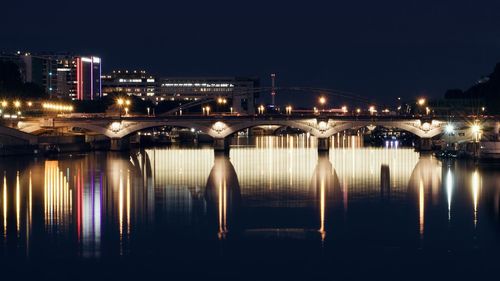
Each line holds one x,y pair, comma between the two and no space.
382,51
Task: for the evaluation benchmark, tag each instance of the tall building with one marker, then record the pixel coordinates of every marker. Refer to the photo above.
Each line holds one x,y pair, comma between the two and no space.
88,78
134,82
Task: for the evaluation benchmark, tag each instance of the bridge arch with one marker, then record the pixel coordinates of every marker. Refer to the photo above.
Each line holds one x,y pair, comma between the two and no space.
309,126
411,127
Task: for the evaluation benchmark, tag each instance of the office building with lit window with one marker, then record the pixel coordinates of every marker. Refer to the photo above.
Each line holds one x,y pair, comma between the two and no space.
129,82
242,91
60,75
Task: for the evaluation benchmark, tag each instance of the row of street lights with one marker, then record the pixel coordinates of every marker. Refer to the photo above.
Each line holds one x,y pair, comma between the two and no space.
125,104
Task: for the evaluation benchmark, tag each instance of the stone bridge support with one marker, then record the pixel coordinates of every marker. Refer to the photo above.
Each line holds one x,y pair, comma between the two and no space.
425,144
323,144
221,145
119,144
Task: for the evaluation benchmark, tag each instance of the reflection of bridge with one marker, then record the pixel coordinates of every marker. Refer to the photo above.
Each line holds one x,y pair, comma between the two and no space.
220,128
183,184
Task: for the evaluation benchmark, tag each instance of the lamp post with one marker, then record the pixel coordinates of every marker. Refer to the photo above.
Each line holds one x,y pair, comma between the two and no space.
17,105
120,103
421,103
261,109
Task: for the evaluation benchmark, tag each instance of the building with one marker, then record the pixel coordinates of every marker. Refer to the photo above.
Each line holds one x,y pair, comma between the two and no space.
241,91
61,75
88,78
238,90
36,69
124,82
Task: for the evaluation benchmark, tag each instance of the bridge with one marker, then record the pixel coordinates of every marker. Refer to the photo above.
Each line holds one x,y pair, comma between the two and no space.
222,127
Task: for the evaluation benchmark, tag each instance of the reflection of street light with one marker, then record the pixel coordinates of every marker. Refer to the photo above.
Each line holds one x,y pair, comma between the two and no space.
344,109
148,110
288,110
427,110
126,111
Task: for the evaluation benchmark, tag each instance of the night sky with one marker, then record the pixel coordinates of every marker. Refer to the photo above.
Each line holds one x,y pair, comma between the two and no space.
376,49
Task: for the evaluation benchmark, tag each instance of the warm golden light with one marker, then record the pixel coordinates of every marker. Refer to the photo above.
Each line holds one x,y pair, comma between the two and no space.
120,102
421,101
322,100
5,103
57,107
17,104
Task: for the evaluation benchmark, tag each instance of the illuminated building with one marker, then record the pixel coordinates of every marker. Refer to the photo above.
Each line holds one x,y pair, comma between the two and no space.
241,90
131,83
61,75
88,78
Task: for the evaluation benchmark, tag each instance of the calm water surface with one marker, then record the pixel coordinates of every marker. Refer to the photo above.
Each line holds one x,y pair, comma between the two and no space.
274,209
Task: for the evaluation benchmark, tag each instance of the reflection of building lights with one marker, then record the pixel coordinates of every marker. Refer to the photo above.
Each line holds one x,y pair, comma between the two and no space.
322,206
421,206
18,203
449,189
4,205
475,193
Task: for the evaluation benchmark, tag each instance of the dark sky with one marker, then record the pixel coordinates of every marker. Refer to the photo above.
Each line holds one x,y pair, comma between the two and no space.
377,49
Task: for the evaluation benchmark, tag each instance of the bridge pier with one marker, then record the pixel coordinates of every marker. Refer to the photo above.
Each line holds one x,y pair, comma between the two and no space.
425,144
221,145
119,144
323,144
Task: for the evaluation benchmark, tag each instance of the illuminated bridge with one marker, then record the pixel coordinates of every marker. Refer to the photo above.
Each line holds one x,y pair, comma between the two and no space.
221,127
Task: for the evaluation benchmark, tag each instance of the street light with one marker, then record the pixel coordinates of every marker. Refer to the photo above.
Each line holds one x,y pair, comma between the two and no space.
372,109
322,101
17,104
261,109
421,101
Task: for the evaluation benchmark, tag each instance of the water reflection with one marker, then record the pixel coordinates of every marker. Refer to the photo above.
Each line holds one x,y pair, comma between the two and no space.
104,203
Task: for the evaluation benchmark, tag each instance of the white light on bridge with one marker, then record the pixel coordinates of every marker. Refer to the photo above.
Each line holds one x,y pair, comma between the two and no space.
449,129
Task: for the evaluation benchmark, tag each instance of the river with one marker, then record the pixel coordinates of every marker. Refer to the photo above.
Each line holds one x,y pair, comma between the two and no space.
273,209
